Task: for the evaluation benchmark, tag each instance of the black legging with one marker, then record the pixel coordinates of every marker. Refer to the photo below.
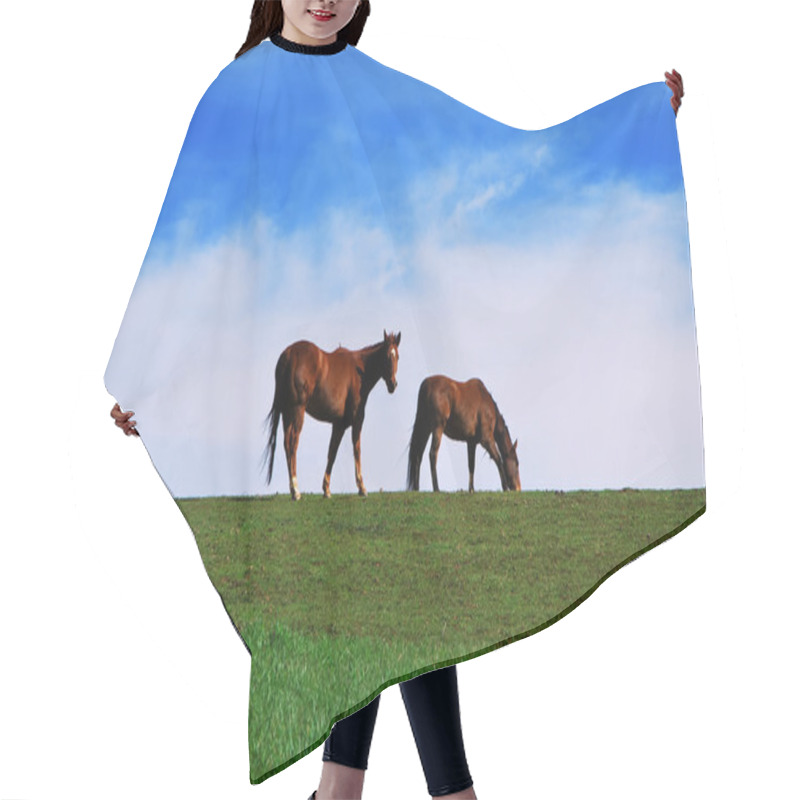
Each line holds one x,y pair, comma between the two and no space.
432,706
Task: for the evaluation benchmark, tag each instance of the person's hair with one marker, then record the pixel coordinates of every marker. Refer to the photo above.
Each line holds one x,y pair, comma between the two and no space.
266,18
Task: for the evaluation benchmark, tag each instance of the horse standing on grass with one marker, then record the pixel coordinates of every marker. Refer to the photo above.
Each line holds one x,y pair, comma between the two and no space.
467,413
331,387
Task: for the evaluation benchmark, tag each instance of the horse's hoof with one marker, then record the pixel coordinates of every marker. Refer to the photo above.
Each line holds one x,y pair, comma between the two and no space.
362,492
294,488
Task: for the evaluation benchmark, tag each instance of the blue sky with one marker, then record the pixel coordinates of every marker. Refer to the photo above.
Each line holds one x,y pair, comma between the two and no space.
337,132
332,198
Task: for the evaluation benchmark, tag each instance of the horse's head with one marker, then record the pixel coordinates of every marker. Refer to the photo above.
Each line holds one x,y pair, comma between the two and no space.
511,465
391,343
508,455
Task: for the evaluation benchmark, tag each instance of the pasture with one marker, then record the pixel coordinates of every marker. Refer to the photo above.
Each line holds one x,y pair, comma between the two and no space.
360,593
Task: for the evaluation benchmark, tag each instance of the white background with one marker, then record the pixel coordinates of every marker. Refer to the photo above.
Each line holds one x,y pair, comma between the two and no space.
120,674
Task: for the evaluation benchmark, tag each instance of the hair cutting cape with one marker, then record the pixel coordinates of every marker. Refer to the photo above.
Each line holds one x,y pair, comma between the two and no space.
515,305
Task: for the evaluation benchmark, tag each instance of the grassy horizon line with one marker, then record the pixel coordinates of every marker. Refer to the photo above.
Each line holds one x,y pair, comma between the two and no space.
424,492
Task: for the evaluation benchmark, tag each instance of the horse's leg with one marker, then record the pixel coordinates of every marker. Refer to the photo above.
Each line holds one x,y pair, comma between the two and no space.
491,448
472,445
358,422
436,440
292,425
333,448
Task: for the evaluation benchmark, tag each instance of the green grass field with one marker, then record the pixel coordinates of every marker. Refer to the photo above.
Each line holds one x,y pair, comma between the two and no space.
340,598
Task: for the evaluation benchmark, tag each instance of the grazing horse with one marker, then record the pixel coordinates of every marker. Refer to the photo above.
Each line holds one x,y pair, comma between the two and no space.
467,413
331,387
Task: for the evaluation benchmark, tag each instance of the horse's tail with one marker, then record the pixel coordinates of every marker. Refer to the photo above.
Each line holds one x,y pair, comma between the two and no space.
416,447
274,417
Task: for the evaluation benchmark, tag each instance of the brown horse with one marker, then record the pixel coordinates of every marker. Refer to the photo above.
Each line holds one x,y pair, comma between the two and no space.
467,413
331,387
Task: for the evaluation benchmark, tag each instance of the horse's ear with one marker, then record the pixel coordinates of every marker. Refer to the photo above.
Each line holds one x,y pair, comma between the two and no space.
385,335
514,446
397,340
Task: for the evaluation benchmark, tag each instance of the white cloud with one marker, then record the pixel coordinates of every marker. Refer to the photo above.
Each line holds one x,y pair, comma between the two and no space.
586,343
467,183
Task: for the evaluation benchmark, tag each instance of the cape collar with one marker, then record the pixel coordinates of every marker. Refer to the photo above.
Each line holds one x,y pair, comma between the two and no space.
309,49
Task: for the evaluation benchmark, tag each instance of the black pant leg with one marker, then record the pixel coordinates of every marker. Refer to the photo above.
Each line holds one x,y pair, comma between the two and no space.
351,737
432,704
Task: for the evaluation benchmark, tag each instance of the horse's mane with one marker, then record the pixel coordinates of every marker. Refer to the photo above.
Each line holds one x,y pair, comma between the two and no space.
368,350
501,433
